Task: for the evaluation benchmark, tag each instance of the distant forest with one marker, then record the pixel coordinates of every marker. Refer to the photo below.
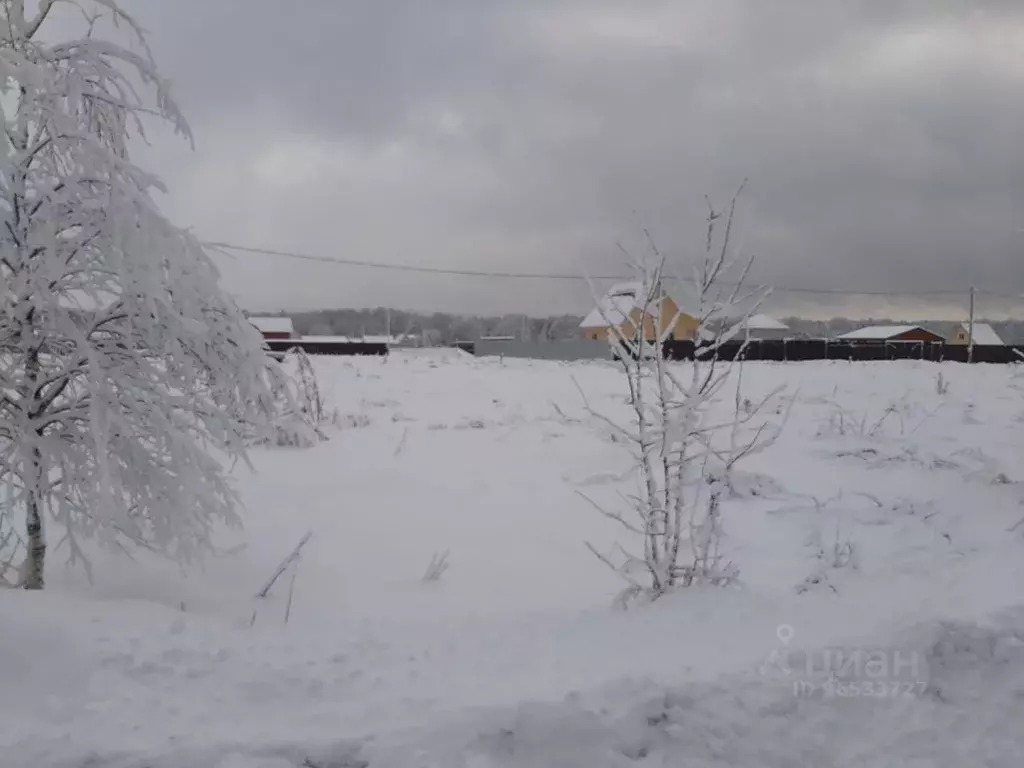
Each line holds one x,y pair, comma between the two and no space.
441,328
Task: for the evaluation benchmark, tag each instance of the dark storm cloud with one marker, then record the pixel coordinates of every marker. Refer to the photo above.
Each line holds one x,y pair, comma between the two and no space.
345,69
882,140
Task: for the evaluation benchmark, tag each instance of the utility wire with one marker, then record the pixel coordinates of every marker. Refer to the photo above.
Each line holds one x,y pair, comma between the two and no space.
224,247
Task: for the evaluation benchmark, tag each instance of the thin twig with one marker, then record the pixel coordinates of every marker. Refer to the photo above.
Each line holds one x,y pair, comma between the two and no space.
291,592
292,557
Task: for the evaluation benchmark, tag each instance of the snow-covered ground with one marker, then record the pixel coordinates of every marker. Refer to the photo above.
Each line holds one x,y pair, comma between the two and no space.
879,523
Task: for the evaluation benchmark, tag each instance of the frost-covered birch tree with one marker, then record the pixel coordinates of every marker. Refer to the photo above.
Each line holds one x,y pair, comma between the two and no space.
686,447
128,379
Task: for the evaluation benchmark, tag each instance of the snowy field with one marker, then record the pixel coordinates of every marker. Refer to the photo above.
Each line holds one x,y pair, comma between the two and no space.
881,520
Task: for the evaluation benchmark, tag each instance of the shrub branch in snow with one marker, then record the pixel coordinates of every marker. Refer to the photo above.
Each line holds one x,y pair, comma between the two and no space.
293,557
127,375
300,413
311,403
685,454
437,567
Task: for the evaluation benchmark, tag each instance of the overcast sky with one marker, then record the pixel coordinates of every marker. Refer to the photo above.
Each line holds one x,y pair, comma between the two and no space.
883,140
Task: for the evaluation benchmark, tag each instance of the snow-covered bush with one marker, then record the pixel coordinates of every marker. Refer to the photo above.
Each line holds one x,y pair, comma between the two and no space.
124,365
301,416
684,449
309,400
291,428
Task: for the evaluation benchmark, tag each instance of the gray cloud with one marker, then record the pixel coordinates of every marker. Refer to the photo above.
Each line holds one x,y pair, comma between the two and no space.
882,140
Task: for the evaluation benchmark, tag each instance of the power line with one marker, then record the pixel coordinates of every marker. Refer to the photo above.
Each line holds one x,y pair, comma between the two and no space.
413,267
222,246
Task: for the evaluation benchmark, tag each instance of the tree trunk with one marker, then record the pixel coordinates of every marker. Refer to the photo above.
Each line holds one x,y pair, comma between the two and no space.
35,559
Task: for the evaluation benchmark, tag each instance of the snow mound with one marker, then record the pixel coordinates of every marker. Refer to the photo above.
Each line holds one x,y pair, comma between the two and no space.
969,714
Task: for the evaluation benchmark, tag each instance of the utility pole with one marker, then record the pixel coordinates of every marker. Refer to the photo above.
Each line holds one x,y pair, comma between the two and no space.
970,330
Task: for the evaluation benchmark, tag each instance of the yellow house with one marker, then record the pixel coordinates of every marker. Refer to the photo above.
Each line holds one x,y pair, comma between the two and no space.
623,306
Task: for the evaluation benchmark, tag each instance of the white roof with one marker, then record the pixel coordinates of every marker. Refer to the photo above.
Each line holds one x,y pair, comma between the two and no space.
984,334
273,324
620,300
614,307
874,332
765,323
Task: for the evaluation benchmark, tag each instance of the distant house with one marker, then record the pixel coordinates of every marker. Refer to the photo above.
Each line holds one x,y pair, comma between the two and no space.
274,327
984,336
879,334
761,328
622,308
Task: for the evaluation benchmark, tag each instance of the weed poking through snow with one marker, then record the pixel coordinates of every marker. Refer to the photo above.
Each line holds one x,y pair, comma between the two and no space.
436,568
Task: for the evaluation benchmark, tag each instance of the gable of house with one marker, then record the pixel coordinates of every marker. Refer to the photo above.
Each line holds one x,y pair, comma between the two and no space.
984,335
614,307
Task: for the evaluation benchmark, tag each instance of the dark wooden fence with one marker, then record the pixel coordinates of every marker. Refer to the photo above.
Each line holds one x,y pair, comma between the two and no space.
797,350
279,347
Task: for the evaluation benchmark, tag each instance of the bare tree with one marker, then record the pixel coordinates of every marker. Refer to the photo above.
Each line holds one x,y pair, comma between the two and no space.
124,365
685,453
